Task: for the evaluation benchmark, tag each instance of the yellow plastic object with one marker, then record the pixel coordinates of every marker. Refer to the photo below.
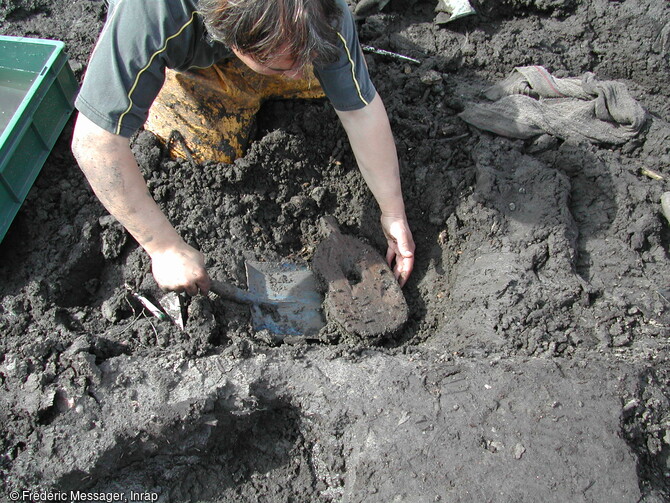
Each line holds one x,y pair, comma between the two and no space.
213,109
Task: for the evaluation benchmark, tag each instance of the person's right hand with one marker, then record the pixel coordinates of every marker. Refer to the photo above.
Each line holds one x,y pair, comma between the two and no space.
400,253
180,268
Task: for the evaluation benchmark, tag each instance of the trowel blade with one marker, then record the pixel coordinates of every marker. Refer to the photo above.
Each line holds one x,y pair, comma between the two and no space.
294,302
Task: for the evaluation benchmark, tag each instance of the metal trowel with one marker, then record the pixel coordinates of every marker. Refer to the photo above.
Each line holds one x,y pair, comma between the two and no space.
283,298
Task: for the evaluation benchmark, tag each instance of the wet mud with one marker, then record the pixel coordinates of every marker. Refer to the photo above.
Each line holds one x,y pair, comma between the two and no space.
533,364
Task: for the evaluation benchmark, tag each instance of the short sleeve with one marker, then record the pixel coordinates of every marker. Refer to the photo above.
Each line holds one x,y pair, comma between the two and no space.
127,68
346,82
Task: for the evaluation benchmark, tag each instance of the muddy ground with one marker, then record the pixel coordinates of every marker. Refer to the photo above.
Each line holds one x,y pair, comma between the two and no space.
534,365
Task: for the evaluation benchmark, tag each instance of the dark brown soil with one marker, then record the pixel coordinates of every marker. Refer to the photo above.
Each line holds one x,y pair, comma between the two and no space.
533,366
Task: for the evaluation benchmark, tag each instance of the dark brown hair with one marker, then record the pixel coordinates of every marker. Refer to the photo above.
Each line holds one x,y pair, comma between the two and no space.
304,29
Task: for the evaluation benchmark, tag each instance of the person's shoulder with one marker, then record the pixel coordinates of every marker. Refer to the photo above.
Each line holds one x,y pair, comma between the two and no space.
343,7
345,21
155,11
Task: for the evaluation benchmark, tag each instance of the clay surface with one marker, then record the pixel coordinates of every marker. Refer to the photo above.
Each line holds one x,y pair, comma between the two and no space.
534,362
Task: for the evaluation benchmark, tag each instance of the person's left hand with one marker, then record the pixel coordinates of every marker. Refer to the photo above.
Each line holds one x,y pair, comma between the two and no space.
400,253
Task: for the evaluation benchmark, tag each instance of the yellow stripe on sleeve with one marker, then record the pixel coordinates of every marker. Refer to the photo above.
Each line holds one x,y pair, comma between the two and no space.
353,68
139,74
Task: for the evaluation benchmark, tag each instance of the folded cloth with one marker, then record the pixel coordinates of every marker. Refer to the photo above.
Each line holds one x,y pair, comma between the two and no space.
451,10
531,102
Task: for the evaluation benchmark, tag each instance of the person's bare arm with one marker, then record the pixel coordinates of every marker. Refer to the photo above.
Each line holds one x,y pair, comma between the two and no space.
372,142
111,169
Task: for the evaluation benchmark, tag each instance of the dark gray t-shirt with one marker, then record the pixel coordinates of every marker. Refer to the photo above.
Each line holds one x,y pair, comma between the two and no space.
143,37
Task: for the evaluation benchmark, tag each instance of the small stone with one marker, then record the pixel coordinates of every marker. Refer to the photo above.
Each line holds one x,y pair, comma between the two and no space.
496,446
75,66
518,451
318,194
431,77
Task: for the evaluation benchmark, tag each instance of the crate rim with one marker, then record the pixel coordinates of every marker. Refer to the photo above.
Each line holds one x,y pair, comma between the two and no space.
59,46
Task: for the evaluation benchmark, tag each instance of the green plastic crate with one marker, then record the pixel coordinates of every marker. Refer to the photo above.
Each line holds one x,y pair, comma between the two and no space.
37,91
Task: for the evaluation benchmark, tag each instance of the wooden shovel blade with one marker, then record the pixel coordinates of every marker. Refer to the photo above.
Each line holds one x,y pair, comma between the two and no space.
362,294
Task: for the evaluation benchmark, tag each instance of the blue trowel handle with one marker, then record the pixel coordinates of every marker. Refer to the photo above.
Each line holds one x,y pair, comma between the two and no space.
231,292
